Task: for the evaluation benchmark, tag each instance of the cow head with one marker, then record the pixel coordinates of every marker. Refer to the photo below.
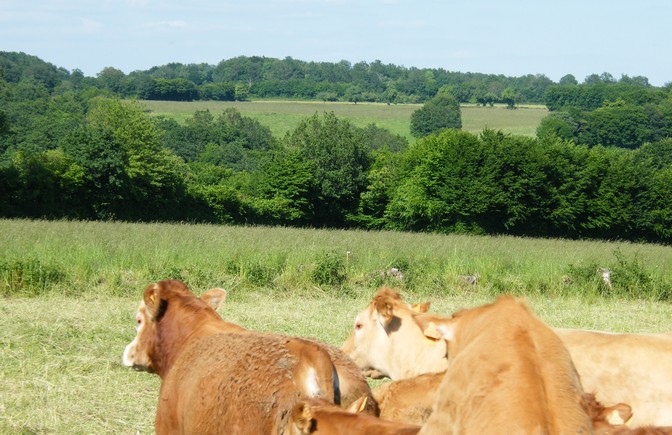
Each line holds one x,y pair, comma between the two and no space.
386,339
139,354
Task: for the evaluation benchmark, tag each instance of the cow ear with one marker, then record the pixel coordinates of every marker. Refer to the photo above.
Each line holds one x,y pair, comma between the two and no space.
421,308
359,405
214,297
302,415
385,309
156,306
618,414
436,327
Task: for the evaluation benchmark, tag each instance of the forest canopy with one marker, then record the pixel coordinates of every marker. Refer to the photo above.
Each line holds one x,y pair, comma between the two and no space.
76,147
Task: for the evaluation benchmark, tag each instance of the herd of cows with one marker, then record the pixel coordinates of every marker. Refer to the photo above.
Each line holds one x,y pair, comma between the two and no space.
490,369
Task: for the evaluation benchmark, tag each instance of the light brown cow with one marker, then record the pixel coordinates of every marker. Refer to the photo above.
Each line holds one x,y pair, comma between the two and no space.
381,337
621,368
408,400
508,373
628,368
411,401
209,369
319,417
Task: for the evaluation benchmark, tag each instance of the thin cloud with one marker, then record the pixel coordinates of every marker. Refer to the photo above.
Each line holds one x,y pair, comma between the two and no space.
403,24
170,24
88,25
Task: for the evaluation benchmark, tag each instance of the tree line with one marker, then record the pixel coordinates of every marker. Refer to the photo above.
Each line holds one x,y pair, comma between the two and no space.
257,77
73,152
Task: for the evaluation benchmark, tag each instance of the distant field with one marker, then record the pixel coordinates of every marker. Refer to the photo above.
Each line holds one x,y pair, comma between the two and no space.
284,116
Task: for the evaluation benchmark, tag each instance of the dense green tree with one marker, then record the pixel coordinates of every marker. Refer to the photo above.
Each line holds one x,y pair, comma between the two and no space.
656,155
558,124
217,91
241,92
45,185
509,98
112,79
155,175
174,90
568,79
380,138
517,165
442,111
339,160
623,126
382,180
445,185
285,190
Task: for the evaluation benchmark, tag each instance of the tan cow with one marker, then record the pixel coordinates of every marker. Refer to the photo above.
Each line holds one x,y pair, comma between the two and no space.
508,373
408,400
319,417
620,368
386,339
216,378
628,368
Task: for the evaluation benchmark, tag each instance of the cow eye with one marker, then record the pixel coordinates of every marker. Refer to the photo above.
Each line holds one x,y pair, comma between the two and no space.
138,322
358,326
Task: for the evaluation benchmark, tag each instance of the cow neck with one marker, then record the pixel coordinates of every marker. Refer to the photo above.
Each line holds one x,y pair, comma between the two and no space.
178,328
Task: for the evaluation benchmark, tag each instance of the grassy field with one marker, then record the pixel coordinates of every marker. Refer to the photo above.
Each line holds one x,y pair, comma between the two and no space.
284,116
70,290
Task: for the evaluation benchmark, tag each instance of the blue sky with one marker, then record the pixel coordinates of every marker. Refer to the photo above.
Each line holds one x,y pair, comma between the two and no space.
514,38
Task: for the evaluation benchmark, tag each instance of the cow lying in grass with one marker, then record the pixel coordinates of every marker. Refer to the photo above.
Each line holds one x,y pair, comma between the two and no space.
620,368
217,377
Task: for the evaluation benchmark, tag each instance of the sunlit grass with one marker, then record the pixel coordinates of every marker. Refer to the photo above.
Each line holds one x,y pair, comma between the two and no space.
283,116
70,290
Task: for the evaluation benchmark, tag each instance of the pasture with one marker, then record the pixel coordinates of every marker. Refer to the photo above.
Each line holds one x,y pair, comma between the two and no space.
70,291
284,116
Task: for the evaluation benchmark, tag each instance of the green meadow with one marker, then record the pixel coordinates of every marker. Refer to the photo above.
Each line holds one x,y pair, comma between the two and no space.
69,291
284,116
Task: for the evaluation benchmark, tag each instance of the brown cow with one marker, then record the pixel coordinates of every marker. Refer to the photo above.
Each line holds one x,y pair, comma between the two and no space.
381,335
209,369
508,373
621,368
319,417
351,383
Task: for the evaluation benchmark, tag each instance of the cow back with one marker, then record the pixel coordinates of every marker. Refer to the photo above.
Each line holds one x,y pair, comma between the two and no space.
236,383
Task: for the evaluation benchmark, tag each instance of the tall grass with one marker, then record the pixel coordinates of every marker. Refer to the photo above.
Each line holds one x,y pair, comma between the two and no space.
70,290
83,258
283,116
